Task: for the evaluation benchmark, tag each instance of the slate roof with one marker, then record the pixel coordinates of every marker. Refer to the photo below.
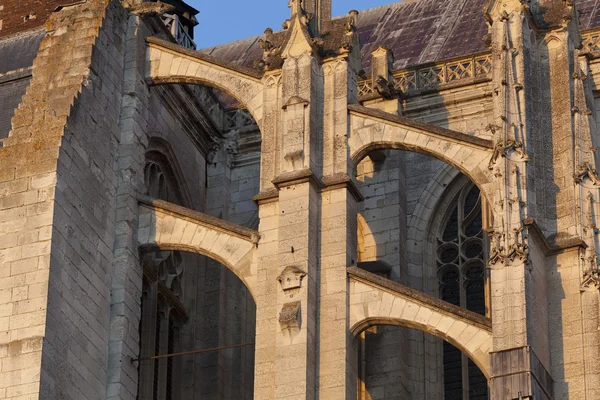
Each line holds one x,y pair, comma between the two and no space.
16,53
417,31
19,52
10,97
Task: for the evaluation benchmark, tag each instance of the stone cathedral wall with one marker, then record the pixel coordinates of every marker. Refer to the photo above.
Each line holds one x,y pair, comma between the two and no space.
76,170
402,193
71,174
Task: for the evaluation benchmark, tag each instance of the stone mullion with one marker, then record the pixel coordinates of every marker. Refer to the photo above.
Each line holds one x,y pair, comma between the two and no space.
235,318
163,349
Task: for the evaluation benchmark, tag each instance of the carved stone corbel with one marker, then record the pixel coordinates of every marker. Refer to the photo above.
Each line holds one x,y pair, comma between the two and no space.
291,278
290,318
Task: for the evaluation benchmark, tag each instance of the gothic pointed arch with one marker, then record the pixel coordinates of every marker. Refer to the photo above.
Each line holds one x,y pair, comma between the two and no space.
161,158
378,301
456,252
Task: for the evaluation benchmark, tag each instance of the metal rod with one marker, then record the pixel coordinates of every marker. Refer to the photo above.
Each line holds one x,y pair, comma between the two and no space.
201,351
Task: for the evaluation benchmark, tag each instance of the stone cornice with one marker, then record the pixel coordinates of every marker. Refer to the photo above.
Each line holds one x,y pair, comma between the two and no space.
339,181
328,183
266,196
16,75
296,177
560,245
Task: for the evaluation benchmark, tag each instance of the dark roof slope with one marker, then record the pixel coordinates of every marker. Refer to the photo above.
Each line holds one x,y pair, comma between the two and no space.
423,31
417,31
11,94
589,13
16,55
19,51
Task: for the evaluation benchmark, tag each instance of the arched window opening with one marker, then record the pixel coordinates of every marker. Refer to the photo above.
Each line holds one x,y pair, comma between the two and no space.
163,307
160,181
461,258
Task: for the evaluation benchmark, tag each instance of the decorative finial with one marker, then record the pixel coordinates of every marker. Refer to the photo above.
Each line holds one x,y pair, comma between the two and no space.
296,7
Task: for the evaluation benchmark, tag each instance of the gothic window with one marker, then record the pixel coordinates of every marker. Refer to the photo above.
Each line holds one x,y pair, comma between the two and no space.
163,309
461,258
155,180
161,180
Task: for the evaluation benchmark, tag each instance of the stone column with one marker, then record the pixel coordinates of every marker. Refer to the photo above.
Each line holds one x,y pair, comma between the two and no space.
289,214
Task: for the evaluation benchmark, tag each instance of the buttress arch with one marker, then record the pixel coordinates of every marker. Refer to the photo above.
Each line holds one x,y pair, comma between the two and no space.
163,226
171,63
378,301
373,129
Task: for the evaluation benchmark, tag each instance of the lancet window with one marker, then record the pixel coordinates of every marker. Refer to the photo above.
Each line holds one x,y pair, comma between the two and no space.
163,309
461,256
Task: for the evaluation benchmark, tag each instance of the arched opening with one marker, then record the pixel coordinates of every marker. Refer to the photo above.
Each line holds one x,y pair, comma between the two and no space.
197,329
421,225
379,375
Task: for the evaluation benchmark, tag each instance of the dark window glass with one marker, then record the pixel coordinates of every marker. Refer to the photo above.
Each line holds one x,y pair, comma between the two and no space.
460,244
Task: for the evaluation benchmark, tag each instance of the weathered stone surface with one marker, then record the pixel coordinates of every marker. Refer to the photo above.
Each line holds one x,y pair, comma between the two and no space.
255,214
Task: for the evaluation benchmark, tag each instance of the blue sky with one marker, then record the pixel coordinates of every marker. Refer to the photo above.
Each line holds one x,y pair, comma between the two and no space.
223,21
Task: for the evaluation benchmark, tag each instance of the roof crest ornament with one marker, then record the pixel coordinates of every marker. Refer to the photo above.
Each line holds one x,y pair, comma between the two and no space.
296,7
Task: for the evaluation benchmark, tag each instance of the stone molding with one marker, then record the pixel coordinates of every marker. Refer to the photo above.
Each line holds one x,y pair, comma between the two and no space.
180,50
215,223
411,123
165,226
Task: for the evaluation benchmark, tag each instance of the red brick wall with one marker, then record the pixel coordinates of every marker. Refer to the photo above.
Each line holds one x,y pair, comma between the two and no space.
23,15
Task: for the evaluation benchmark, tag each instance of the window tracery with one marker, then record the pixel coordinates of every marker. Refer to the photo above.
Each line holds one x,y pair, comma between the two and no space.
460,257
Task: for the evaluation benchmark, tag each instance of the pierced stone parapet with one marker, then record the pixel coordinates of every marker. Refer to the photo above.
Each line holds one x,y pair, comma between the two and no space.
434,76
590,42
